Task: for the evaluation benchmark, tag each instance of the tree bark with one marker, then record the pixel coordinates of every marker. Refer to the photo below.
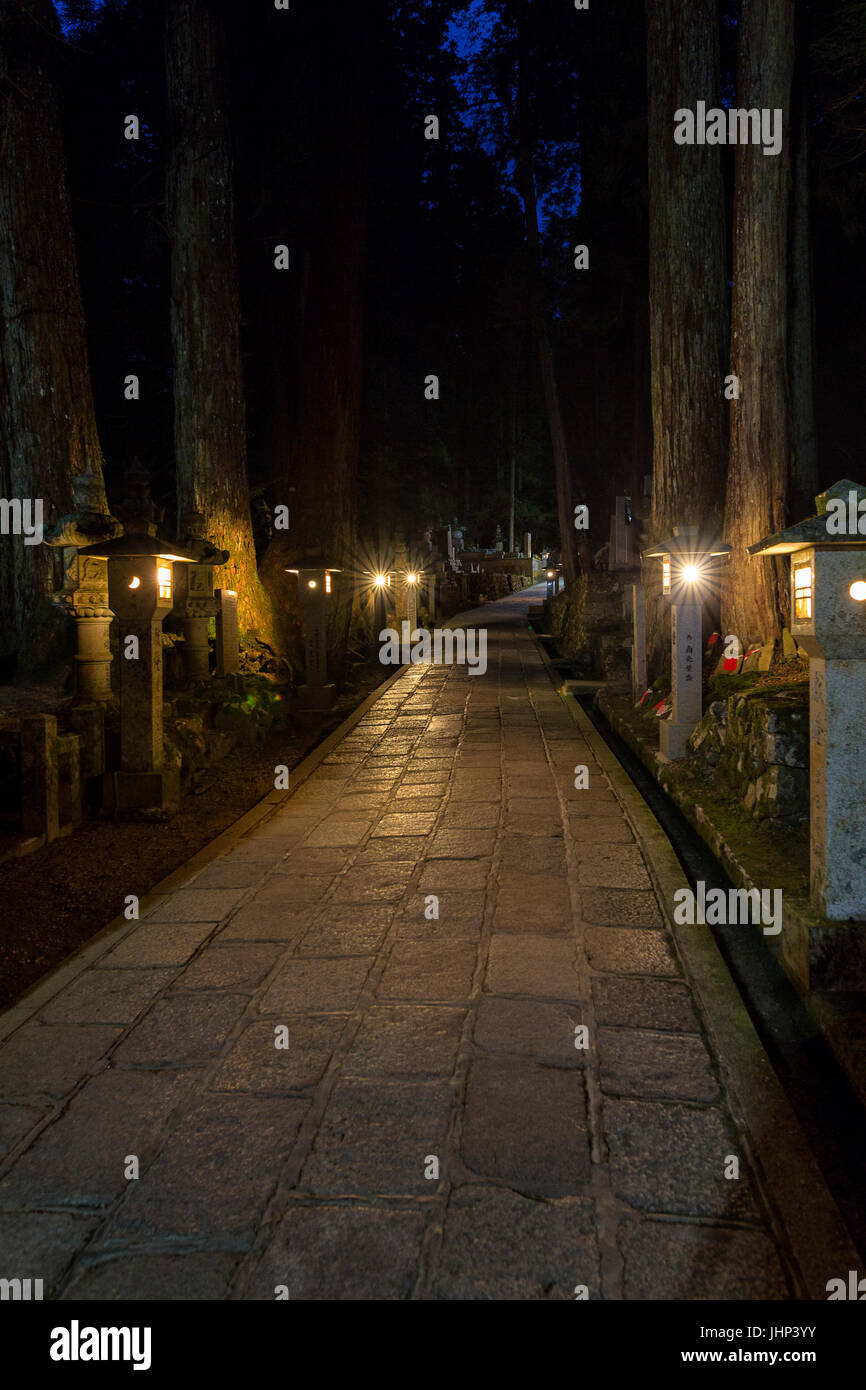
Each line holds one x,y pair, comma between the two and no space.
46,404
209,406
544,347
755,592
688,293
801,335
688,297
320,468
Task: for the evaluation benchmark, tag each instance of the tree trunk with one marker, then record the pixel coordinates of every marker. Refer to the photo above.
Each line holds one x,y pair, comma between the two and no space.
321,466
688,290
688,294
754,595
541,330
209,408
46,405
801,329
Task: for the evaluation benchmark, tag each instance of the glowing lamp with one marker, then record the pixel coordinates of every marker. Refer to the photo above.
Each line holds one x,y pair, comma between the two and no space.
858,591
684,559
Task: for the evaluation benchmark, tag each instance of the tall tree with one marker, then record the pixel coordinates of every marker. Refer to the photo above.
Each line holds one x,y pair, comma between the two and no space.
318,468
209,405
688,306
801,331
525,142
688,292
754,595
46,406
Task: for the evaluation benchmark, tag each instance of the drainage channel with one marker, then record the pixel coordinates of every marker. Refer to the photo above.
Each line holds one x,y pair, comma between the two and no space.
829,1111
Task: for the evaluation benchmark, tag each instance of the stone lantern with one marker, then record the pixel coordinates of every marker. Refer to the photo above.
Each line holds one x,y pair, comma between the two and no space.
85,583
315,585
828,619
195,602
141,594
686,571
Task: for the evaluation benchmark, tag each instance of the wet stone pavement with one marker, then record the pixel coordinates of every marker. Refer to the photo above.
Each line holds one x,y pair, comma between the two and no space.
344,1054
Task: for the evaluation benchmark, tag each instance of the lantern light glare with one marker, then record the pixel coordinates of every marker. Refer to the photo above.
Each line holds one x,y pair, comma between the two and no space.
312,584
691,573
135,582
803,592
381,581
858,590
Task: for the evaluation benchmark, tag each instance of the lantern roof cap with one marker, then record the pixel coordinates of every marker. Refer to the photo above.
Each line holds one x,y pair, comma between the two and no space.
687,540
315,569
813,531
137,547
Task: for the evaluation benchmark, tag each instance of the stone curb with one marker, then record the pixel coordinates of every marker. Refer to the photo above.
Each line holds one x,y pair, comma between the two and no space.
798,1197
35,999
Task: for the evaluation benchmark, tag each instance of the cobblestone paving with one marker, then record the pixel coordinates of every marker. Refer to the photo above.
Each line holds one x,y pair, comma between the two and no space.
416,1041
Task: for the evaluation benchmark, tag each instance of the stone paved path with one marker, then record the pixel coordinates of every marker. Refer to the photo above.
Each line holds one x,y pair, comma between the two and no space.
414,1040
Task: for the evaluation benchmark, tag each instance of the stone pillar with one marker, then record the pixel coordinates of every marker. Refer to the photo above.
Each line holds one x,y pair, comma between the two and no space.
837,774
69,773
141,697
227,639
315,694
686,659
638,651
40,781
194,606
316,637
85,596
412,605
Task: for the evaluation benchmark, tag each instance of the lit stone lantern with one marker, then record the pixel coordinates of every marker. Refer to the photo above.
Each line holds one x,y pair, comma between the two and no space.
140,591
686,575
828,619
194,600
315,585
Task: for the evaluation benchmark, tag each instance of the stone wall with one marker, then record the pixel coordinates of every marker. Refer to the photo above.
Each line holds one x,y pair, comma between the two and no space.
758,744
592,624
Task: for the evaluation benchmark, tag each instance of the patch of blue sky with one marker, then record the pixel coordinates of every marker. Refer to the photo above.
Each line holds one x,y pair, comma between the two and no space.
67,23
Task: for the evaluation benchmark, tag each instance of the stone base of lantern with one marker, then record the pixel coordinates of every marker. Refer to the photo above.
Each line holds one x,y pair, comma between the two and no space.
316,697
673,739
141,795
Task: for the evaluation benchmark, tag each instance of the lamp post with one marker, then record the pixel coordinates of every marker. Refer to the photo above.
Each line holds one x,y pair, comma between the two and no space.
828,619
140,594
314,587
686,571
